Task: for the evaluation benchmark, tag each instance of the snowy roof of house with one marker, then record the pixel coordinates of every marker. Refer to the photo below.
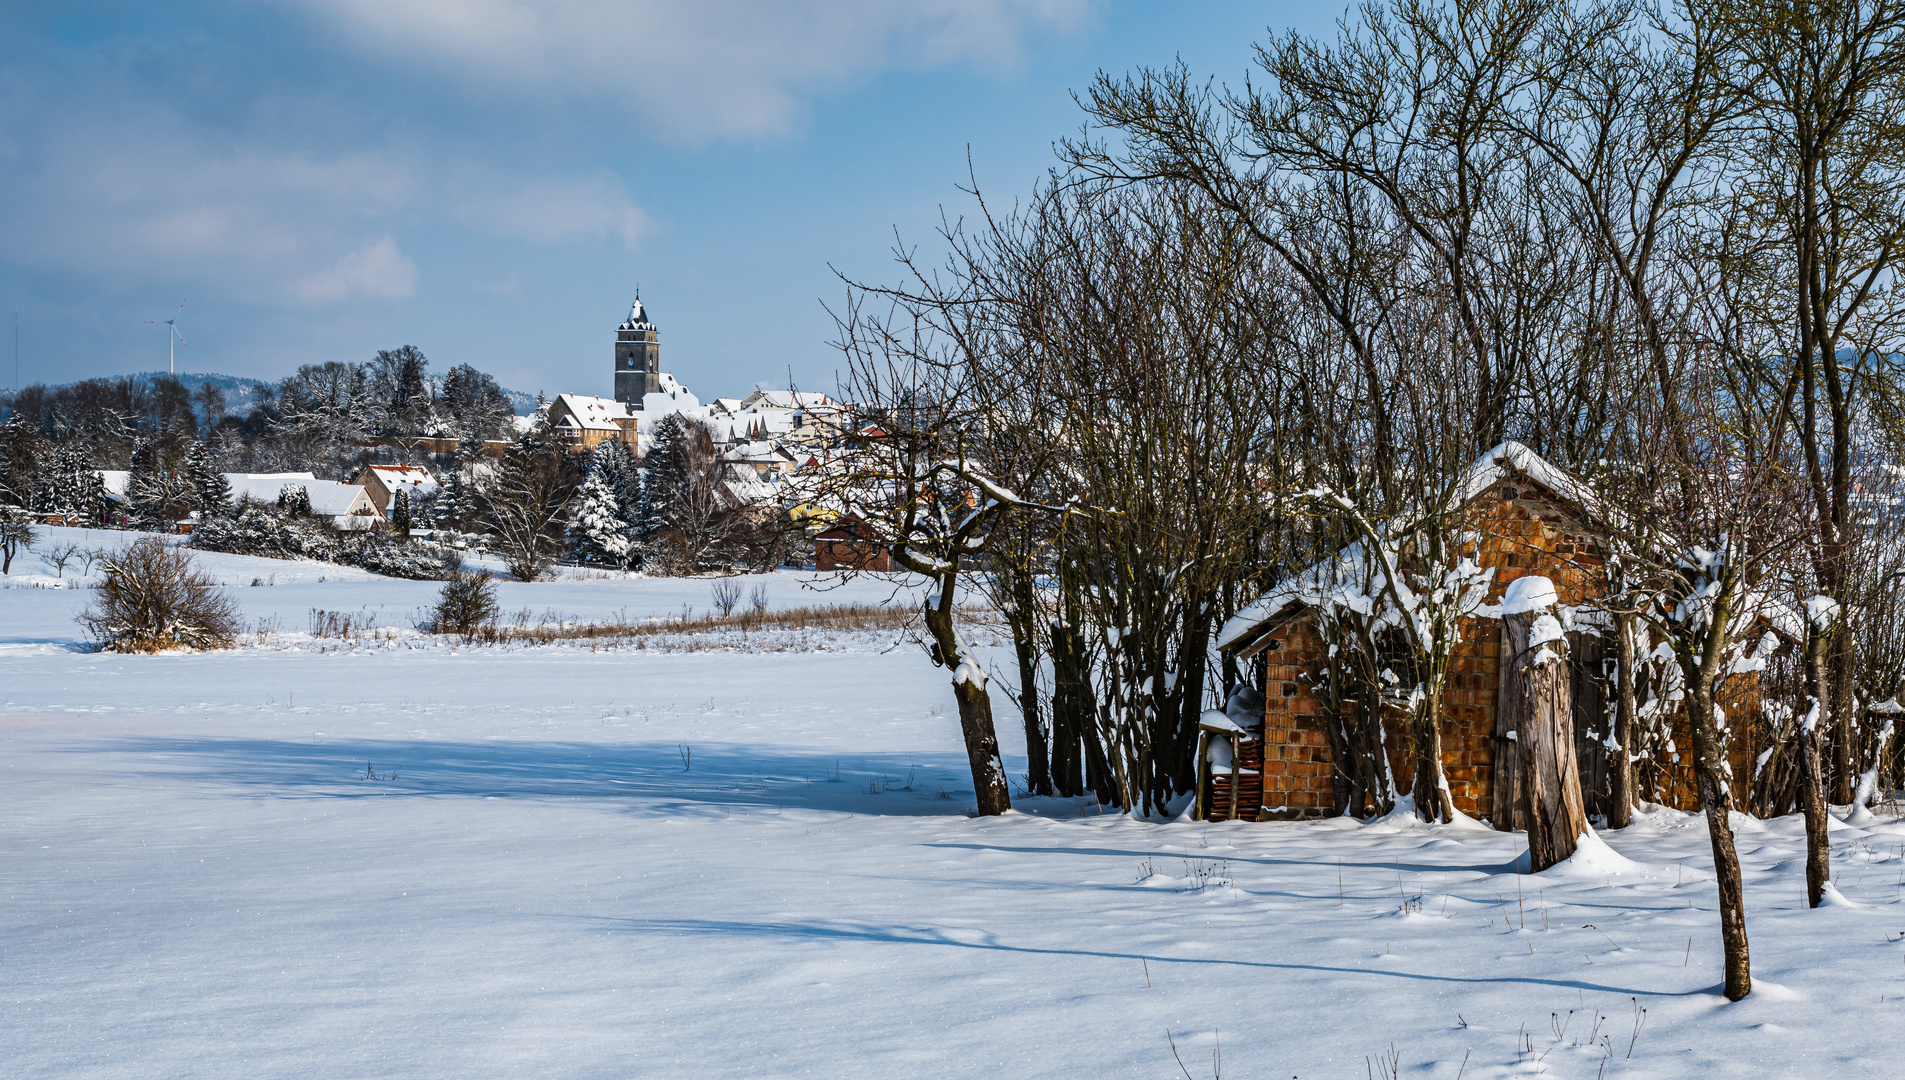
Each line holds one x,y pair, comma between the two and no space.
592,413
785,399
414,477
338,500
748,489
328,497
1307,587
725,405
759,452
115,481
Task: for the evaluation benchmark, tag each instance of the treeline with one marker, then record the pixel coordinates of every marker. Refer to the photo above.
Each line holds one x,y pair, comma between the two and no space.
1239,330
318,419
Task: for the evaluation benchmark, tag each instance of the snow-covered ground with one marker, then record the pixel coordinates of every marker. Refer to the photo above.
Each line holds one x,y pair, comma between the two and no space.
552,862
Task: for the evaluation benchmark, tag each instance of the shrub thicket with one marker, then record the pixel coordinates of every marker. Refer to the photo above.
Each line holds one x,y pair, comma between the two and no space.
467,603
275,533
153,599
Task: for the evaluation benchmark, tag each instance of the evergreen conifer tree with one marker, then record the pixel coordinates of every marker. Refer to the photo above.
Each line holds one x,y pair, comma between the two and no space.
400,513
71,487
596,536
624,476
207,489
147,487
295,499
663,475
452,507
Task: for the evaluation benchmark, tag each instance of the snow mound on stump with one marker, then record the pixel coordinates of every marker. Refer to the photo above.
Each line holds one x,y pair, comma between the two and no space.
1592,858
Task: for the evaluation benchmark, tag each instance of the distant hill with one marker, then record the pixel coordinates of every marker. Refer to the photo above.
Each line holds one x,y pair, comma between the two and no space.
241,393
524,404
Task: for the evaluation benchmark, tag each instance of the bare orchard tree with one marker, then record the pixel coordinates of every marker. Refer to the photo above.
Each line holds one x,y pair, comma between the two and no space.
1711,534
523,503
1826,169
1149,363
914,478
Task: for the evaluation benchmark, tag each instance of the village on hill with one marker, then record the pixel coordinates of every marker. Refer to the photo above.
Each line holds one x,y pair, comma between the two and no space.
650,476
1391,566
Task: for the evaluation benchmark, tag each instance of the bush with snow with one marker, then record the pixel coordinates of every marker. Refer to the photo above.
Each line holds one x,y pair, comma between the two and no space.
153,599
275,533
466,604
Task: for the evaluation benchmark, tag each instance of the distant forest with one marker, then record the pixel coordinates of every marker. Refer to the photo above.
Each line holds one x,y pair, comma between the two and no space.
319,419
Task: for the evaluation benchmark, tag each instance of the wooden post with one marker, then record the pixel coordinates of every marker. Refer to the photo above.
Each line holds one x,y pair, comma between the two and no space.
1203,776
1543,715
1508,801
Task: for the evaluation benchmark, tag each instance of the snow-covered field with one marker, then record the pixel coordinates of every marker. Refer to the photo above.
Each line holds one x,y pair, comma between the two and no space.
297,861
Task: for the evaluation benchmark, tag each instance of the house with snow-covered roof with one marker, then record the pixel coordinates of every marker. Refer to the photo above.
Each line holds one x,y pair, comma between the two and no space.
1524,521
585,421
382,482
347,505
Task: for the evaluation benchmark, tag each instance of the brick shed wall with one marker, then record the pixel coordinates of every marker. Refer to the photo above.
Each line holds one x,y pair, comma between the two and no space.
1522,529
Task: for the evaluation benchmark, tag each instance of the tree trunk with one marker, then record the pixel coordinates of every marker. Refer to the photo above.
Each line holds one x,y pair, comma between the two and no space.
1023,618
1621,785
1812,783
1431,788
1710,769
1544,734
1840,661
975,705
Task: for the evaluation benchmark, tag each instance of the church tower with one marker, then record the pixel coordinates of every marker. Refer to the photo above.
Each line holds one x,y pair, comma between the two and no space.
637,357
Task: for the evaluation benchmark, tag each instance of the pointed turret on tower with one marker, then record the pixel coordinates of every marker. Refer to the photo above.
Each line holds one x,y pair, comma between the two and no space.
637,357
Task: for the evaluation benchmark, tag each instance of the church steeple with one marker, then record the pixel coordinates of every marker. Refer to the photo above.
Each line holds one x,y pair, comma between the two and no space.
637,356
637,316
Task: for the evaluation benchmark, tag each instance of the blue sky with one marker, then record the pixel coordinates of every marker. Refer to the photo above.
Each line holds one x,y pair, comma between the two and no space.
489,179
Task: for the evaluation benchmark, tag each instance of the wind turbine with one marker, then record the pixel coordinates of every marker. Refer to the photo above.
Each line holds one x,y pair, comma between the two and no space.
173,339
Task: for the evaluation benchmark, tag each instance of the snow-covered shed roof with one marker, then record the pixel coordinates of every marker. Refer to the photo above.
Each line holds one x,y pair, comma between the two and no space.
1306,588
412,478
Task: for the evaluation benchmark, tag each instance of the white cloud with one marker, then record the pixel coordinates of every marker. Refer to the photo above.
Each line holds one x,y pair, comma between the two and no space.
377,271
551,210
699,68
114,190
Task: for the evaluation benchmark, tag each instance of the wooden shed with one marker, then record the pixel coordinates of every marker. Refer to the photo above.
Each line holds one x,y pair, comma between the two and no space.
1524,517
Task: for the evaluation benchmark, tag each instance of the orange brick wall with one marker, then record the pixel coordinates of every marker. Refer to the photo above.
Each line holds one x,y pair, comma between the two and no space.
1523,530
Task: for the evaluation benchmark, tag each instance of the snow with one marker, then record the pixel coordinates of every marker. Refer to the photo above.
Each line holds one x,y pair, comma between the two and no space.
1525,594
427,861
1821,611
1544,629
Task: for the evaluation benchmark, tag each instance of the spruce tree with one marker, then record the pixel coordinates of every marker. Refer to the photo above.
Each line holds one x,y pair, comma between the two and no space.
400,513
295,499
452,507
663,476
70,486
207,489
596,536
89,488
624,476
147,487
